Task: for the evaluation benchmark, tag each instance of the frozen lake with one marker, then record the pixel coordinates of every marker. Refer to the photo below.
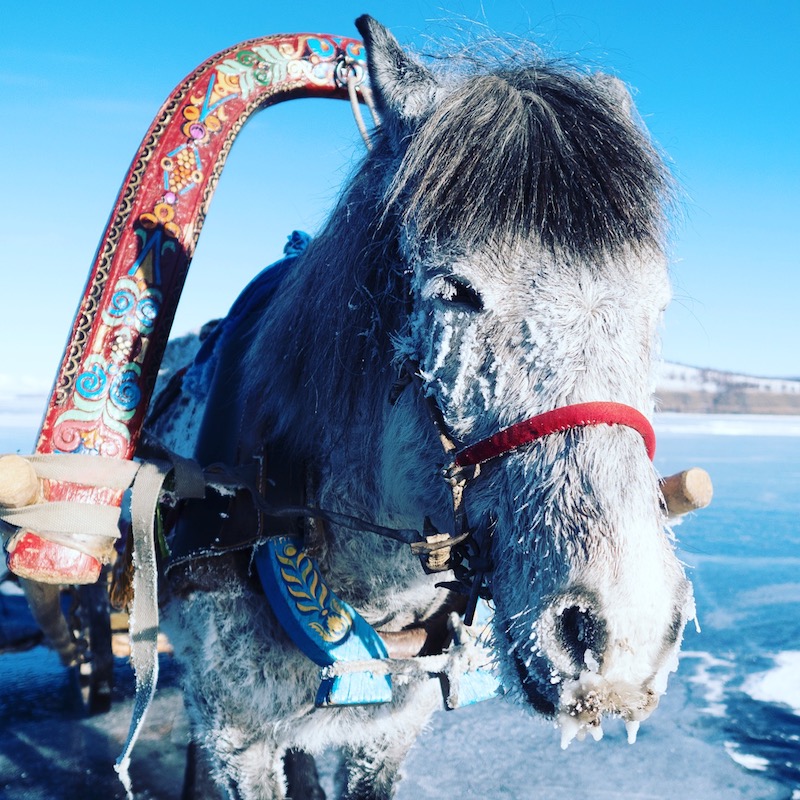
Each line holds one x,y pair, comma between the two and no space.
728,727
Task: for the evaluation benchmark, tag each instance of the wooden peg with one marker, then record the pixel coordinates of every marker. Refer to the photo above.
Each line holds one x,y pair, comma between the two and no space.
687,491
19,484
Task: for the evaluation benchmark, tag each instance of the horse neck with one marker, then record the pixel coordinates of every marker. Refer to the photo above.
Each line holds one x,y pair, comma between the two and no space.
320,368
386,469
320,385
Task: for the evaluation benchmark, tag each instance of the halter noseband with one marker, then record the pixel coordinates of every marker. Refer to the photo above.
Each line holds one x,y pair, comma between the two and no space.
565,418
468,553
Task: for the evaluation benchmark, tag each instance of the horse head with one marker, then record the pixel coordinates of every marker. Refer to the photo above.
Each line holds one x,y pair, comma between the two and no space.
530,226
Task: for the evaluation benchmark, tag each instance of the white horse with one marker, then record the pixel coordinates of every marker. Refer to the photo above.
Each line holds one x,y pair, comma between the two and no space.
505,237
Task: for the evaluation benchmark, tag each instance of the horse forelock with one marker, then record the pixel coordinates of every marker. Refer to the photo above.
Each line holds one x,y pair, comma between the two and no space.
537,152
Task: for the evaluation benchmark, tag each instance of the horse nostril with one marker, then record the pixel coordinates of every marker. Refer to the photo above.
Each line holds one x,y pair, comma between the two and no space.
580,631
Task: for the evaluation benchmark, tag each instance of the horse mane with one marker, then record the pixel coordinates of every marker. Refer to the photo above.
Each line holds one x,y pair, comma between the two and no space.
327,340
513,154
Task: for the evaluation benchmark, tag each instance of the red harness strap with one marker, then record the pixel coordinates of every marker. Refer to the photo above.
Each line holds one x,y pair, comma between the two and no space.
559,419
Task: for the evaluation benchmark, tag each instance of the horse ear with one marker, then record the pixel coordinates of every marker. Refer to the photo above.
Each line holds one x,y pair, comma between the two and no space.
616,90
404,89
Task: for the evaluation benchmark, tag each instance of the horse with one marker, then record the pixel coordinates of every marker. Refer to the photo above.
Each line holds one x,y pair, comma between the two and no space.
498,256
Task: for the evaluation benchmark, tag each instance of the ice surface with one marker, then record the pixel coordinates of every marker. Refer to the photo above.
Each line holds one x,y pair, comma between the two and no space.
746,760
711,675
780,684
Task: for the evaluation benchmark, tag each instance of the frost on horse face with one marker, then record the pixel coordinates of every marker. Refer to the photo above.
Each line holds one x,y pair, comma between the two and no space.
590,600
505,237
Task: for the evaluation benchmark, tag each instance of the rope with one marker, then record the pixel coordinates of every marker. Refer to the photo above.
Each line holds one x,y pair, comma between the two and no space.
58,521
112,473
464,656
90,528
456,660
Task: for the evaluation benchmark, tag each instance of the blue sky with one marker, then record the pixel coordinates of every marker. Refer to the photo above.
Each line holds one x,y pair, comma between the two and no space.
716,83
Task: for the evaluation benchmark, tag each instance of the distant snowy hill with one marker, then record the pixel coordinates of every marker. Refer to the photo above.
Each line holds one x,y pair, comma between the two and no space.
682,388
678,388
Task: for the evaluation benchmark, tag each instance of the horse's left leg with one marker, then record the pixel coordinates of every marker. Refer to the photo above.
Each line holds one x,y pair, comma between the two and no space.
302,779
372,759
254,771
371,770
197,781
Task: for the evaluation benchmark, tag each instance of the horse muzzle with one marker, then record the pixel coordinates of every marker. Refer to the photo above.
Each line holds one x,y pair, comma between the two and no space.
579,666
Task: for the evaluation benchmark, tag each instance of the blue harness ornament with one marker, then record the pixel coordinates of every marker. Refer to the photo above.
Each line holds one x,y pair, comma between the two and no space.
323,626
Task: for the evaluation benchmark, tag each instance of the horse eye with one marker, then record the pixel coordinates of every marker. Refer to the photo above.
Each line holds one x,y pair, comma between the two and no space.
459,292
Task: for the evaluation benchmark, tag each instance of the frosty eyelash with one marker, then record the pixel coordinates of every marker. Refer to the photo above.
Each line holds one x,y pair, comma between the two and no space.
458,292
